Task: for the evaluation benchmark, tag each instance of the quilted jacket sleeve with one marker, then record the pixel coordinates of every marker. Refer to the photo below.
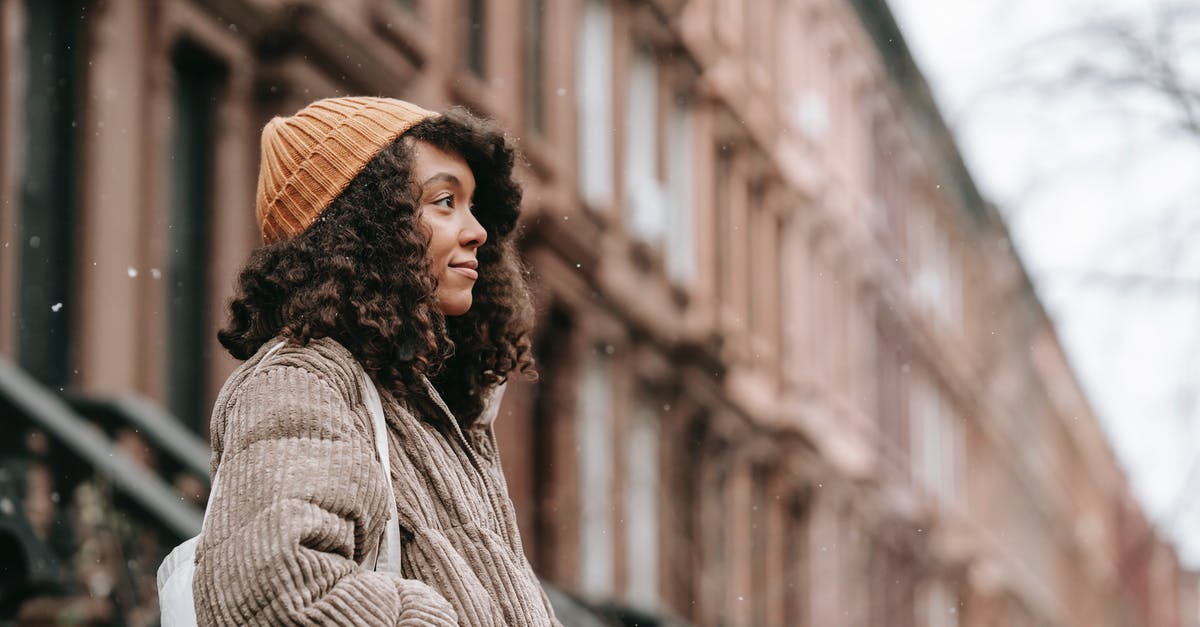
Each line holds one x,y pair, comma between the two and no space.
300,500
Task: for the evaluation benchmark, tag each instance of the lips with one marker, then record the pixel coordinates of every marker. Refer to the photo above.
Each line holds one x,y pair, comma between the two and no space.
467,267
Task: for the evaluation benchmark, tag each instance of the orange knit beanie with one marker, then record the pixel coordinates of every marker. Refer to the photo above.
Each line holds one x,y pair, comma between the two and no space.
309,159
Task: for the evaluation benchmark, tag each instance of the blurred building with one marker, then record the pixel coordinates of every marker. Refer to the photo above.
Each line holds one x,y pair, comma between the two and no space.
793,372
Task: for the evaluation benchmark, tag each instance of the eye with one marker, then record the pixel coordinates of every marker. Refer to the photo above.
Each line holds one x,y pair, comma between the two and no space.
446,201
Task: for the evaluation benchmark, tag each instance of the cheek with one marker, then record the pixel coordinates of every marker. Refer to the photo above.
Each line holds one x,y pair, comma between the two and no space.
441,237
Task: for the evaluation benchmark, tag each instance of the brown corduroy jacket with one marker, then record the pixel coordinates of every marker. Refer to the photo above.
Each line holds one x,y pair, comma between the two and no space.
301,500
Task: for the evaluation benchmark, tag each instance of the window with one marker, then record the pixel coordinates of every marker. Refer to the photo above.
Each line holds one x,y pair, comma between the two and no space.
595,445
796,562
53,39
718,558
750,295
780,307
826,331
641,507
474,37
937,606
840,327
754,36
817,306
864,350
685,523
760,541
765,268
644,194
593,91
852,562
891,579
680,244
1034,536
535,65
890,378
936,282
923,282
547,449
938,443
925,436
727,22
881,174
798,286
198,79
722,193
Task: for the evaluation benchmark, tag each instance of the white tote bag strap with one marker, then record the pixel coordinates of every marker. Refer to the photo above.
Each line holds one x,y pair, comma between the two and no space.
177,571
386,556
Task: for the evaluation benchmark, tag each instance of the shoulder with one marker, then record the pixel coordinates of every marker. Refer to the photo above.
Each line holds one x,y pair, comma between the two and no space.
285,378
323,359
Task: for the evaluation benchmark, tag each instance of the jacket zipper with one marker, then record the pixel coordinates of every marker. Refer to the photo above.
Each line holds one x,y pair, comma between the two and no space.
462,438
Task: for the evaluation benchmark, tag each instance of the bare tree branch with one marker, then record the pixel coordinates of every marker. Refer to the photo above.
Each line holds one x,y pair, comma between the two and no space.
1125,281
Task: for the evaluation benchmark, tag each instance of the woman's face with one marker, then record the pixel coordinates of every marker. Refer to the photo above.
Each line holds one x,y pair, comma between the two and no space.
445,212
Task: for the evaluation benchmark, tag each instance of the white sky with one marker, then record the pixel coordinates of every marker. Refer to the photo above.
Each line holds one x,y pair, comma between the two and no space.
1089,184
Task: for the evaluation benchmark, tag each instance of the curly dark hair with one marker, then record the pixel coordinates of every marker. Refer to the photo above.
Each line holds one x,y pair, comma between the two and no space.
360,275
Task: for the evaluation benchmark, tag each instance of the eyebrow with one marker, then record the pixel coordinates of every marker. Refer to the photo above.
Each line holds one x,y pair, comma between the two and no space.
442,176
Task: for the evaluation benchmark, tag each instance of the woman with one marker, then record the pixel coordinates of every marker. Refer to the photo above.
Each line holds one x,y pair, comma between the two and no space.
389,246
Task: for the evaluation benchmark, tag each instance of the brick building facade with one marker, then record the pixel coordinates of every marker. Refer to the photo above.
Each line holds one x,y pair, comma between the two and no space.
793,372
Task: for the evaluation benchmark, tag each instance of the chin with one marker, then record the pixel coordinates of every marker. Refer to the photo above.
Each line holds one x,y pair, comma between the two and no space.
456,307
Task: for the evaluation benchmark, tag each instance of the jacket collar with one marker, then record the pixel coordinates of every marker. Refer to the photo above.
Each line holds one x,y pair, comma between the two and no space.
491,404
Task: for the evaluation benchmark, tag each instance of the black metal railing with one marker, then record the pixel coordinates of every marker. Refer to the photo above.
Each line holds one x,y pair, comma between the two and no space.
93,493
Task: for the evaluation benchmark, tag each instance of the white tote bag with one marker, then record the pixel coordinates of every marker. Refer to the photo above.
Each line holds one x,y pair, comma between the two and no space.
177,570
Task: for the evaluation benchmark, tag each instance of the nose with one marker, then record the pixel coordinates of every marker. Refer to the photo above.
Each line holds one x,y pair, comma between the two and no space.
472,235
